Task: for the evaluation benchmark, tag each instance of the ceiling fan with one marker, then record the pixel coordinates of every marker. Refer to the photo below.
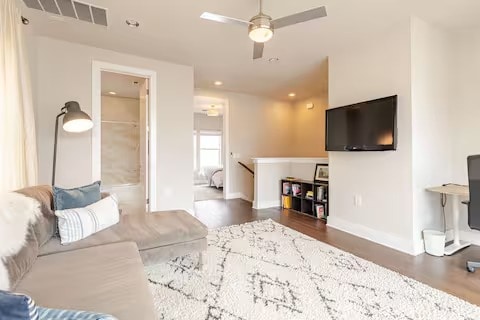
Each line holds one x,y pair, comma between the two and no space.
261,26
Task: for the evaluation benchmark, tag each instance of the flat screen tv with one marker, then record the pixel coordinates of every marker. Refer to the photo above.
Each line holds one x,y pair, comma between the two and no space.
364,126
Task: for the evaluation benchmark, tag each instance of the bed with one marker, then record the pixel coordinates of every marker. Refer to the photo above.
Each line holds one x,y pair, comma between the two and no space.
214,176
217,179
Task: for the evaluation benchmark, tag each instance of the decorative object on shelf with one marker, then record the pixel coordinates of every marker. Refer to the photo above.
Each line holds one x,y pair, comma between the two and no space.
287,188
320,210
321,173
320,193
75,120
309,194
296,189
287,202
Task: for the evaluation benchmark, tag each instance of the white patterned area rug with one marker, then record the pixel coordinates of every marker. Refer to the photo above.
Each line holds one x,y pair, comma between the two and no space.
263,270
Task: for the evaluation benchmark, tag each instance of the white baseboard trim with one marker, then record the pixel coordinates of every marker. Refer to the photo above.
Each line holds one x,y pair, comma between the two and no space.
376,236
470,236
266,204
237,195
233,195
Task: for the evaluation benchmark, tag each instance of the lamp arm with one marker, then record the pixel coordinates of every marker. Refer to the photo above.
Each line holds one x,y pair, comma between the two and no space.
55,146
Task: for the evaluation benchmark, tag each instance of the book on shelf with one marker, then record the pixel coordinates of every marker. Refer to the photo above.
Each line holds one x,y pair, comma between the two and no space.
286,202
319,210
296,189
320,193
287,188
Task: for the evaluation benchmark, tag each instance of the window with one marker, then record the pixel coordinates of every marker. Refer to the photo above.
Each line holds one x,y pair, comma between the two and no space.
207,149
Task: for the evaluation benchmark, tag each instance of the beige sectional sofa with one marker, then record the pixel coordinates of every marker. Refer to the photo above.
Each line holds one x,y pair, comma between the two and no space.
104,272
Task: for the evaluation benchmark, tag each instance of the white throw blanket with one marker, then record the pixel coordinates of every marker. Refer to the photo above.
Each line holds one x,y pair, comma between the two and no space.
17,212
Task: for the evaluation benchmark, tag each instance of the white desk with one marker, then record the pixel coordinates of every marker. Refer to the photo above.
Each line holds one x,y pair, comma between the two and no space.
455,192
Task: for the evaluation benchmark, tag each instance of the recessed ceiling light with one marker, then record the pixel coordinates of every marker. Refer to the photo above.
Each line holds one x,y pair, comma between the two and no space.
132,23
218,83
292,94
273,60
112,92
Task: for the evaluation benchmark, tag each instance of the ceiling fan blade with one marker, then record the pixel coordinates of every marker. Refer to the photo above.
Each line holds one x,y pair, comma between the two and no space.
258,50
223,19
300,17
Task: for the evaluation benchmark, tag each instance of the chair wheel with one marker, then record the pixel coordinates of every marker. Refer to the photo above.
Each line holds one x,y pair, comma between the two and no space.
470,269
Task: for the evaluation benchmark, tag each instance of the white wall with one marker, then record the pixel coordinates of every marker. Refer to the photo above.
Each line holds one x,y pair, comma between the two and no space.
432,138
465,113
367,71
63,72
309,127
259,127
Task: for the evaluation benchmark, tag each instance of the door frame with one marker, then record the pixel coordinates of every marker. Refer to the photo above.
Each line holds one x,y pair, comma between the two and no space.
151,132
225,140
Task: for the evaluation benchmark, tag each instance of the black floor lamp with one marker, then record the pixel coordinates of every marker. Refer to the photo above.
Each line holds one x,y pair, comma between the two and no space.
74,120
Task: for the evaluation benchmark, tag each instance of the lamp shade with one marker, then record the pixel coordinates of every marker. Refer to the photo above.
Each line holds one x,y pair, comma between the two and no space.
75,120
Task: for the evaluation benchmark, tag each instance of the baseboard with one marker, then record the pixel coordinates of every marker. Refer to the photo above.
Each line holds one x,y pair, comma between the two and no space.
238,195
470,236
233,195
266,204
376,236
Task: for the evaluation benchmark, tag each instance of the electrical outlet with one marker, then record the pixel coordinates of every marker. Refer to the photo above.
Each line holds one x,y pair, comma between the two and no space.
357,200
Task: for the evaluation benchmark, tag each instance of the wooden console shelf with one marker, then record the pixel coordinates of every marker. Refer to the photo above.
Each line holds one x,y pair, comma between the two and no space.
306,197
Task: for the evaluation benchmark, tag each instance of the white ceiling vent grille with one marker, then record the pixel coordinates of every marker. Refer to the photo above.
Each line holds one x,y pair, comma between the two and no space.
72,9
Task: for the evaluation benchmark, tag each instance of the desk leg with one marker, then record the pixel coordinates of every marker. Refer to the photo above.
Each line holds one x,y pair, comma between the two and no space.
457,244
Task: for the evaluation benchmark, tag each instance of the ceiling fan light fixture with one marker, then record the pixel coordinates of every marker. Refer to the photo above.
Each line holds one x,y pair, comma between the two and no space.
261,34
261,29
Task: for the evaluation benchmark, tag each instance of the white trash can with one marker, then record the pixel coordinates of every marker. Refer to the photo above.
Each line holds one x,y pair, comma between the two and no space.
434,242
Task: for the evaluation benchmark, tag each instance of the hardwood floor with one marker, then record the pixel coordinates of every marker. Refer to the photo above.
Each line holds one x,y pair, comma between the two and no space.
447,274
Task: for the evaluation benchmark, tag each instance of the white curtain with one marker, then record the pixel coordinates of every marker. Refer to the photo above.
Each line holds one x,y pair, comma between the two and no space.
18,151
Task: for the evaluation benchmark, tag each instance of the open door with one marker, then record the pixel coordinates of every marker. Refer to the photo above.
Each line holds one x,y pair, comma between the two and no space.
145,143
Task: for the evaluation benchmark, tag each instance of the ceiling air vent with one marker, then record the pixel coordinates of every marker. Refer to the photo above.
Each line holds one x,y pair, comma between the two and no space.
72,9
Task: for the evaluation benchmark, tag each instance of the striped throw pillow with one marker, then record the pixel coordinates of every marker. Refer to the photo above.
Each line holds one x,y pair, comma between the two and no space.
16,306
57,314
79,223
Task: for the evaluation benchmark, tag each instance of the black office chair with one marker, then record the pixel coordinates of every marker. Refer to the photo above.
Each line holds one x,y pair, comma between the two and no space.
474,202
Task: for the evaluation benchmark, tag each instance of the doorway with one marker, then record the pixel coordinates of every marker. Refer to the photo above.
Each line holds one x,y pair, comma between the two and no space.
123,135
124,139
209,142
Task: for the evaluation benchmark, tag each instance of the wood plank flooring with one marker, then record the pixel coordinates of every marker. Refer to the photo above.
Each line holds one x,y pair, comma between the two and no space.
447,274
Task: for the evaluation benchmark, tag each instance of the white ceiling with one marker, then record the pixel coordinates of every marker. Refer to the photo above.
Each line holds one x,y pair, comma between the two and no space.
123,85
172,31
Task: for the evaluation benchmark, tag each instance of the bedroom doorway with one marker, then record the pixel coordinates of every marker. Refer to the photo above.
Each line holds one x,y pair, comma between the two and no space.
209,148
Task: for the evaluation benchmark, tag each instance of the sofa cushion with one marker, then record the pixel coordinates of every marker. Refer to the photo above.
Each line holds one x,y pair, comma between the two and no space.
76,197
146,230
106,279
79,223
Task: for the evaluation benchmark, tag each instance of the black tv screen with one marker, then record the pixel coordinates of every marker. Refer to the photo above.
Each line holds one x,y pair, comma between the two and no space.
364,126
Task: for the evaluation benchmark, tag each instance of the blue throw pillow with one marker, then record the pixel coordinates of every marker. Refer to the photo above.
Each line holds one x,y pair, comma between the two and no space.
16,307
77,197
